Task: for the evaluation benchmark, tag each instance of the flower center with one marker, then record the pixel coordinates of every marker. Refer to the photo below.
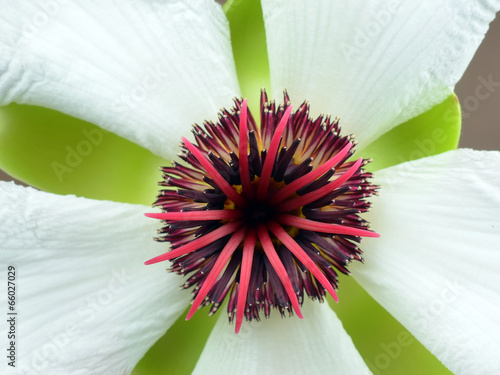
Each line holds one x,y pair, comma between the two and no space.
264,216
258,212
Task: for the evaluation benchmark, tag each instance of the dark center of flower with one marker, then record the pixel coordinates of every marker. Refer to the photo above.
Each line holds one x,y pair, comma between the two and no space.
258,212
264,215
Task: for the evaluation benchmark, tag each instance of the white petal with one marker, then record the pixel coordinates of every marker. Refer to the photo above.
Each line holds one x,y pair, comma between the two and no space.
84,299
436,266
375,64
317,344
144,70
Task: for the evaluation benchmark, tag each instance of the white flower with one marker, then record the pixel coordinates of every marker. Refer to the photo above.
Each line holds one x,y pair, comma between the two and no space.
146,70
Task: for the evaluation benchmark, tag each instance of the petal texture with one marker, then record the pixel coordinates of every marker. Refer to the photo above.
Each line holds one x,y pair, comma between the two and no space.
375,64
436,266
317,344
145,70
85,302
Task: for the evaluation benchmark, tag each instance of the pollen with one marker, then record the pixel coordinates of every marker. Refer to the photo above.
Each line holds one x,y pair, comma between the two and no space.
263,216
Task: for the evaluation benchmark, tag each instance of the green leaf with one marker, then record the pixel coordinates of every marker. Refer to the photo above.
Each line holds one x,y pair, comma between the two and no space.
248,37
431,133
63,155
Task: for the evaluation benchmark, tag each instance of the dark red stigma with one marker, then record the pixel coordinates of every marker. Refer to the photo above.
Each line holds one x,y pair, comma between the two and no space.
263,215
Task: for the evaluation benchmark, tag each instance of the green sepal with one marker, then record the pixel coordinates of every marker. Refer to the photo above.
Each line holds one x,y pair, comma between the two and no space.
386,346
431,133
63,155
248,38
177,352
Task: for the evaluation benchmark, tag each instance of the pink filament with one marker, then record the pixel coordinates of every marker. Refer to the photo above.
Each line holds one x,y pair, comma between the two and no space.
215,175
285,191
301,255
214,274
301,201
302,223
198,243
245,273
267,169
243,153
275,261
198,215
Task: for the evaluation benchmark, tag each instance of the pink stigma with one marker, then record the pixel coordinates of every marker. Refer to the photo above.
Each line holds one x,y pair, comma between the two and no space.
263,217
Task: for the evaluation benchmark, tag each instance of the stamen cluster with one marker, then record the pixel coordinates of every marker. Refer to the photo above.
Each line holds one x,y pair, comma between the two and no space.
263,216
